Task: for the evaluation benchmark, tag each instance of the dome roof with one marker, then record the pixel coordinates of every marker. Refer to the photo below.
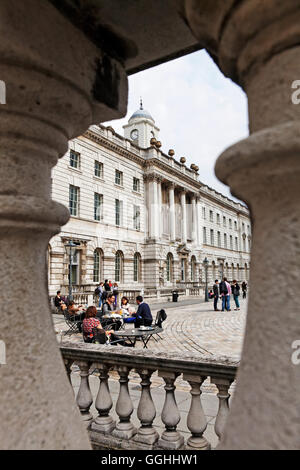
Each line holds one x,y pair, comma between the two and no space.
141,114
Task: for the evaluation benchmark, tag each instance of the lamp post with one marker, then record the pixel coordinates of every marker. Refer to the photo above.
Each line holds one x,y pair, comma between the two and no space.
205,264
70,249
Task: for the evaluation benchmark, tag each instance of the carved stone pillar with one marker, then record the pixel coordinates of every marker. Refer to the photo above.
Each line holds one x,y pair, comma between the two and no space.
257,45
223,411
54,80
103,423
172,213
194,220
170,438
84,397
183,217
196,420
146,411
124,408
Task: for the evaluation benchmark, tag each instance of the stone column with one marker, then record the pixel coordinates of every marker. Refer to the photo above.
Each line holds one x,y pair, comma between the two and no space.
257,45
199,224
183,217
47,104
153,209
194,220
172,213
159,210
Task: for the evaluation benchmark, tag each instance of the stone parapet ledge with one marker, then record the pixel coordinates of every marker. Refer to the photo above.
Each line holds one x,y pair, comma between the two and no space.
218,366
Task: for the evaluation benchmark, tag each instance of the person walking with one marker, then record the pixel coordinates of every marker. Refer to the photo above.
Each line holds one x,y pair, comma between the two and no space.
235,288
244,289
216,295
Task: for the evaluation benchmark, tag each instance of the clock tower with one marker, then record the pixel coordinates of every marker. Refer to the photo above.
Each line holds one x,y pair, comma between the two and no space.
141,128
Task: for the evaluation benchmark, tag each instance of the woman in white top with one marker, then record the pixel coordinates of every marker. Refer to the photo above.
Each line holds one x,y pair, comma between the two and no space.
125,305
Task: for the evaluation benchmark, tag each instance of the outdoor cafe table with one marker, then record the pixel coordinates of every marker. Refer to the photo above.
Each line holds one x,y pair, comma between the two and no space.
133,334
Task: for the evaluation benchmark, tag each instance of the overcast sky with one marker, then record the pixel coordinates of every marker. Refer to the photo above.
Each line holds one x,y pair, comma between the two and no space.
199,112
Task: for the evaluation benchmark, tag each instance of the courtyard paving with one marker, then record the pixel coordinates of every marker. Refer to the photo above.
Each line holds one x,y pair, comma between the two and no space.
193,326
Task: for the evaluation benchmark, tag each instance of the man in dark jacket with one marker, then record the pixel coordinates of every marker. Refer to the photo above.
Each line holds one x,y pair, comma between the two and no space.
143,313
216,295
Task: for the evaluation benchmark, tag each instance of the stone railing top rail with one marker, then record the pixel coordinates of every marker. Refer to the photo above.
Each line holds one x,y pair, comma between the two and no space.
216,366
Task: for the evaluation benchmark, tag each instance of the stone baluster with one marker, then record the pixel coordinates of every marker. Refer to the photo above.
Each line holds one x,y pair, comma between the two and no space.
223,386
68,364
196,420
104,422
170,438
146,411
84,397
257,45
124,407
47,104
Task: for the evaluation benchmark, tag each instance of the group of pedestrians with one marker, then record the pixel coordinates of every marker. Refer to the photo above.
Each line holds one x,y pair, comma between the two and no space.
104,289
224,290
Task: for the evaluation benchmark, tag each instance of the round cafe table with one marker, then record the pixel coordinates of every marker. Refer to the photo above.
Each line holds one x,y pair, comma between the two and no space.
134,333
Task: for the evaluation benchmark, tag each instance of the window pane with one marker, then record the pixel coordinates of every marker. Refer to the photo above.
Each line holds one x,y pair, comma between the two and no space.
73,200
98,169
98,204
119,177
74,159
96,272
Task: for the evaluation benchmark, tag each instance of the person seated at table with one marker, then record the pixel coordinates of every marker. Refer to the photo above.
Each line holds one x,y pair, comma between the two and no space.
90,323
76,313
143,314
125,305
108,308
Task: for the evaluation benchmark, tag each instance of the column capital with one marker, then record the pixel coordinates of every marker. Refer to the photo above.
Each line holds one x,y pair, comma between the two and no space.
244,36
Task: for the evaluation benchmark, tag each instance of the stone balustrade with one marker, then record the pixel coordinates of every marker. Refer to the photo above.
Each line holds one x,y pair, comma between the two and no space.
105,432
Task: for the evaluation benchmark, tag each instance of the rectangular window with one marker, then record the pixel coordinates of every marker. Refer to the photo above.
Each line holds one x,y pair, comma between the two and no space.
219,239
231,242
225,240
98,207
203,213
211,216
236,244
235,225
218,219
212,241
230,223
118,207
136,218
98,169
119,178
74,200
204,235
74,159
136,185
224,221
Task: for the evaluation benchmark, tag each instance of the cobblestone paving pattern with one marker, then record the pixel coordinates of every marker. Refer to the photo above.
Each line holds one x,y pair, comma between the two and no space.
194,328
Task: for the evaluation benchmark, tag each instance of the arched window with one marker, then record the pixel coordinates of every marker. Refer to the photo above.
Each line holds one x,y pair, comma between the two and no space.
193,268
137,267
169,267
119,266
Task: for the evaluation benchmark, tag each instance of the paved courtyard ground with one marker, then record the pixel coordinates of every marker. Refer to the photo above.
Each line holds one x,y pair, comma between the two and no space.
191,325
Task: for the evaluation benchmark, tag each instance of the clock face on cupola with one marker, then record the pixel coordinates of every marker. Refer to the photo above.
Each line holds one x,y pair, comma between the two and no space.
141,128
134,134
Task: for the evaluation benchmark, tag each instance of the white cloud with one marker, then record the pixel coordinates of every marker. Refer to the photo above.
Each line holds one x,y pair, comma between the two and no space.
199,112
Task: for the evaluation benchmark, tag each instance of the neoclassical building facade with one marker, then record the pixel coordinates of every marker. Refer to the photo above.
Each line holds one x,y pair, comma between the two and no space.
142,218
